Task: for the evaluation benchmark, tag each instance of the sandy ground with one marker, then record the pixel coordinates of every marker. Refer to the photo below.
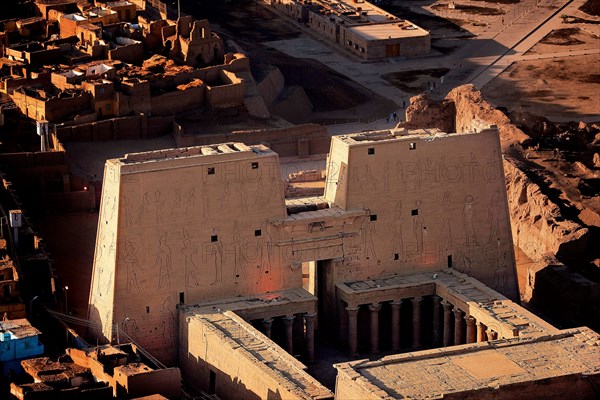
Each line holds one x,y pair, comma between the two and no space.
559,89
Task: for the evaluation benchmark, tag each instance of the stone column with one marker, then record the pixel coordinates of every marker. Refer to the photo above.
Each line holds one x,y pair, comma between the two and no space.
491,335
310,335
396,324
416,328
288,322
458,328
352,331
471,330
267,323
447,326
437,314
481,335
374,308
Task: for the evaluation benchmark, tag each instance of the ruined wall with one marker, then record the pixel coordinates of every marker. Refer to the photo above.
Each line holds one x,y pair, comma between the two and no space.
423,113
134,127
183,99
286,142
271,86
130,53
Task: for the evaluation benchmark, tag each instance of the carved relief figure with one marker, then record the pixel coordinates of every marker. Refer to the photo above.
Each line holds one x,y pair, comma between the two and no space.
396,228
446,231
133,266
500,274
190,200
216,250
159,206
239,260
176,202
418,225
129,325
167,323
265,249
129,218
163,263
144,205
494,218
205,200
387,170
189,251
469,226
367,236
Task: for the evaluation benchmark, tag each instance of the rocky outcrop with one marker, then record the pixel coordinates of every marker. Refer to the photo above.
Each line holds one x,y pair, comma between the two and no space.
424,113
472,110
538,227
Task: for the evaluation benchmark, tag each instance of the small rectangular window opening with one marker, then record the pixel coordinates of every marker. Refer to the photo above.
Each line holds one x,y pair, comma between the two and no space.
211,170
414,212
257,232
147,310
254,165
371,151
214,238
396,256
373,217
412,146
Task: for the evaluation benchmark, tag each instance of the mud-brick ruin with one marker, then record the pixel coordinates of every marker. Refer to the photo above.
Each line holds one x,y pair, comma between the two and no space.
202,260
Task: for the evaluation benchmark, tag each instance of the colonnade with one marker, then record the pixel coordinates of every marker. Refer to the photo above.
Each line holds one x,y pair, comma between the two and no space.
308,321
450,325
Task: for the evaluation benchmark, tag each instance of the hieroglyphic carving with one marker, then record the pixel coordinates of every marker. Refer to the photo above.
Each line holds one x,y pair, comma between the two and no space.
129,325
176,205
500,274
265,252
190,200
167,322
239,260
144,206
418,224
396,228
159,206
368,235
494,218
445,241
216,252
189,251
163,263
468,214
132,265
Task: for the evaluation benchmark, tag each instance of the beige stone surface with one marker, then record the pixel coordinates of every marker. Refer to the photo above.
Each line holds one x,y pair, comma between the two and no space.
556,366
200,223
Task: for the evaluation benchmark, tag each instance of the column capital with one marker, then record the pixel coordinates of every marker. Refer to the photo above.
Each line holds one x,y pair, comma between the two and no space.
470,319
289,318
417,299
396,303
375,307
352,309
435,297
447,305
457,312
267,321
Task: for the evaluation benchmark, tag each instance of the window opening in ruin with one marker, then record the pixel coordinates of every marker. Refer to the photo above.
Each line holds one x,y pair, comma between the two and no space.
414,212
147,310
254,165
257,232
396,256
450,261
181,298
212,385
412,146
371,151
211,170
373,217
214,238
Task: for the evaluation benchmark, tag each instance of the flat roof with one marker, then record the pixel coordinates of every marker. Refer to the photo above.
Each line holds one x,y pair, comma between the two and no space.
392,30
433,373
282,367
18,328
